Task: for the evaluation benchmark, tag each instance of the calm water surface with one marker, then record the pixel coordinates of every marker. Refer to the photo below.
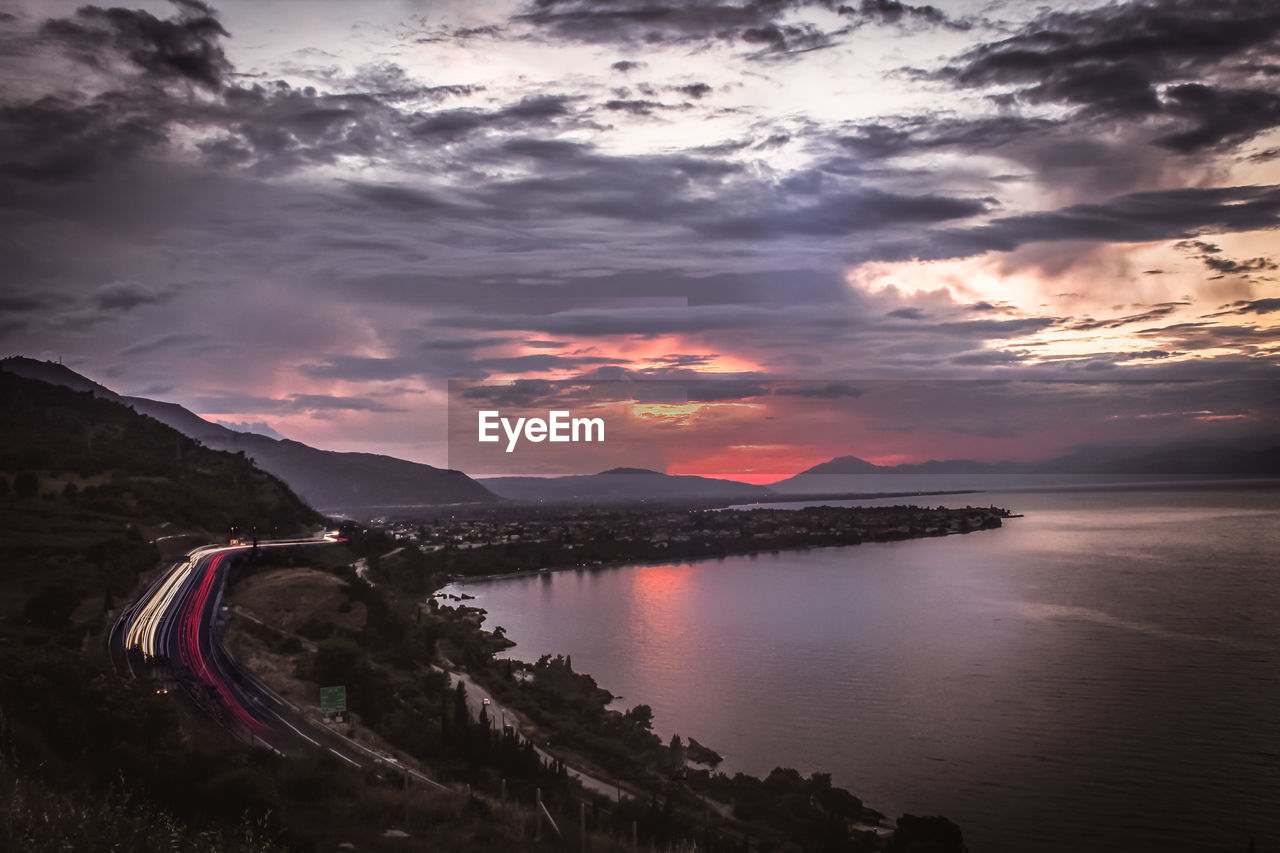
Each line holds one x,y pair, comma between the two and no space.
1100,675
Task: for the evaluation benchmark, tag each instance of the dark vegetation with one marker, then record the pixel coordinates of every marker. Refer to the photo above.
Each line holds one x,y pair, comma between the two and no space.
91,483
90,760
669,800
500,541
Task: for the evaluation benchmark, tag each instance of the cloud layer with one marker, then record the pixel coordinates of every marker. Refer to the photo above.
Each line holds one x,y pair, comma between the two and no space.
318,225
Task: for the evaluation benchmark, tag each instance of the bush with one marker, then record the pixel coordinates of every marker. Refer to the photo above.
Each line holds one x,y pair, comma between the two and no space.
52,606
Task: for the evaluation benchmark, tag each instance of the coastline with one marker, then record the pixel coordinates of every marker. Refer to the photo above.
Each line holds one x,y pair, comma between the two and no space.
875,821
622,564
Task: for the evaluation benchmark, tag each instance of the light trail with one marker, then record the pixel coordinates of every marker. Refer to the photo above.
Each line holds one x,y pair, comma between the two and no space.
175,619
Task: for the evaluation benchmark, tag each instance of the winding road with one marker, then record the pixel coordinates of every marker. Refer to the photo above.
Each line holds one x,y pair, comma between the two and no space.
171,634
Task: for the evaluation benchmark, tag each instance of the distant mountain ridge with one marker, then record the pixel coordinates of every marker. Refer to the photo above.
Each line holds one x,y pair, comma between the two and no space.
335,480
325,479
623,484
850,473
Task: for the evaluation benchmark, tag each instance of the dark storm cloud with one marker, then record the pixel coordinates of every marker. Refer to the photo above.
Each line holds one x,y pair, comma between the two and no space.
269,128
182,48
26,303
156,344
635,107
403,200
538,363
360,368
686,360
292,404
847,212
647,22
1155,313
780,40
1132,60
1137,217
893,12
461,344
674,290
573,180
535,110
266,128
277,128
1253,306
127,295
768,25
990,358
694,90
389,82
1217,116
1201,335
54,139
644,322
521,392
1211,255
878,140
990,329
1232,267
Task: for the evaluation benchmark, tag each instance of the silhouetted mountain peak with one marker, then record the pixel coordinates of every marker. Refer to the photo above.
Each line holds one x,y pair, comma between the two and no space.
843,465
54,373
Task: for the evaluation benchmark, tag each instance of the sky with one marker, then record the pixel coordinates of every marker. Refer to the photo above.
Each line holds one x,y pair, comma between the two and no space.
311,216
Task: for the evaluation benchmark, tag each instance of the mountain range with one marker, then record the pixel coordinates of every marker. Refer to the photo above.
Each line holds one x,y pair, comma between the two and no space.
326,479
623,484
343,481
852,474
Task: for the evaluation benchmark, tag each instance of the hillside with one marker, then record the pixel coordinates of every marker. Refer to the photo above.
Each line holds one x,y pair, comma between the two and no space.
86,482
622,485
327,479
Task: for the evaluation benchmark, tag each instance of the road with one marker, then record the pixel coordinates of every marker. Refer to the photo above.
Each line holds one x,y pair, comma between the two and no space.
478,698
171,634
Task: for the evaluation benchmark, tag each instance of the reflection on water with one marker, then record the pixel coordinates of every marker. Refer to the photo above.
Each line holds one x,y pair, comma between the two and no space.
1103,674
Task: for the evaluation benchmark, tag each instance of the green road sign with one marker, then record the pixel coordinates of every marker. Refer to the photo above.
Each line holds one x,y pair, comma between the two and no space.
333,700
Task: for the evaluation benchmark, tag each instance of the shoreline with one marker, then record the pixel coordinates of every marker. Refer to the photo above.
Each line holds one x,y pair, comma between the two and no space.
622,564
880,823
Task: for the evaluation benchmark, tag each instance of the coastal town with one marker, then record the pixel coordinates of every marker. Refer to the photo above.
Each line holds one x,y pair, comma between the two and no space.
499,541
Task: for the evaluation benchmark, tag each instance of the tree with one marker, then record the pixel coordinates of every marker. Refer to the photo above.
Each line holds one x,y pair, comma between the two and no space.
926,835
678,768
52,606
26,484
461,719
642,716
